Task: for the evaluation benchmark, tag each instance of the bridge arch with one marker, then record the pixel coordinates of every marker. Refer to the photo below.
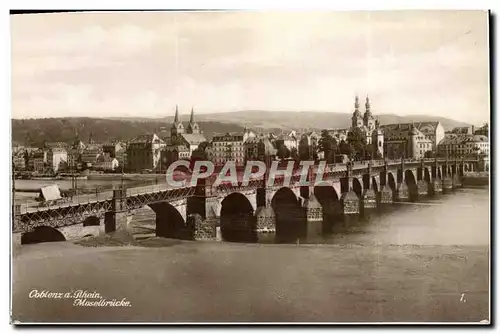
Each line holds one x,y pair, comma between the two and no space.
290,217
410,178
42,234
439,172
329,199
92,221
169,222
427,175
375,184
357,186
238,223
391,180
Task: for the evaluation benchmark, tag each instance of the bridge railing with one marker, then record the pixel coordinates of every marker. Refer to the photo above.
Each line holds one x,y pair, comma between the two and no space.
29,205
147,189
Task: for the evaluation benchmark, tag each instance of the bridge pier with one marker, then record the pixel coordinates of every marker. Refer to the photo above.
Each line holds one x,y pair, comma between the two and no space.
402,193
435,187
447,184
369,200
456,181
350,203
314,216
266,223
349,200
204,207
422,188
369,197
116,220
386,195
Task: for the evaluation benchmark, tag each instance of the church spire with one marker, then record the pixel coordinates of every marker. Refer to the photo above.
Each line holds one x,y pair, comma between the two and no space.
176,118
356,104
191,120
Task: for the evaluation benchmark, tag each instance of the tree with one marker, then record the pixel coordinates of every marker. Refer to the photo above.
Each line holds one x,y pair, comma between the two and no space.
203,146
283,151
345,148
328,145
357,140
200,153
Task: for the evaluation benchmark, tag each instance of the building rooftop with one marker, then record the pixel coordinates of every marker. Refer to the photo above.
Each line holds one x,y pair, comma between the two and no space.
194,138
228,136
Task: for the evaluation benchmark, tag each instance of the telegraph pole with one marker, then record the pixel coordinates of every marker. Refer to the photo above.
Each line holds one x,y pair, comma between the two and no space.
123,161
13,193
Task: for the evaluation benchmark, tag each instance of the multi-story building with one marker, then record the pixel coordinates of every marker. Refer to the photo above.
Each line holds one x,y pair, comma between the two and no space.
462,130
288,140
228,147
57,158
454,145
433,131
106,163
38,161
89,156
113,149
19,161
173,153
405,141
144,153
259,148
483,130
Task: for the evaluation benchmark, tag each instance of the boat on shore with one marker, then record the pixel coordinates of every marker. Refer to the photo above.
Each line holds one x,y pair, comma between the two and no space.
71,177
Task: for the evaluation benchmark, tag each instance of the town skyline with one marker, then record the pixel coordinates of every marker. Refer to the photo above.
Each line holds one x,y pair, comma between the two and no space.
130,64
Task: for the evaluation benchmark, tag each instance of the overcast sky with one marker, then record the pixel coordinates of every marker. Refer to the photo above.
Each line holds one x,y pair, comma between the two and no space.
143,64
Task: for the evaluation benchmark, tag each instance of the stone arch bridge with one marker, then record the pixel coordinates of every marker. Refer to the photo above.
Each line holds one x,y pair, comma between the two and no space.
243,213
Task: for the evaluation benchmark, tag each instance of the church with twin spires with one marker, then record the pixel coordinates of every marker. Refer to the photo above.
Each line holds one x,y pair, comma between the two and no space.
190,137
368,125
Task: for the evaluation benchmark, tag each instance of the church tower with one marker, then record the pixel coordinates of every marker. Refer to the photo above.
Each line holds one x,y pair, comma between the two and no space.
193,127
368,119
357,120
177,128
377,141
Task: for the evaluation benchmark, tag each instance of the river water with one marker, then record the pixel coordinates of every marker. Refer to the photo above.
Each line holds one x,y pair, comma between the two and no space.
458,218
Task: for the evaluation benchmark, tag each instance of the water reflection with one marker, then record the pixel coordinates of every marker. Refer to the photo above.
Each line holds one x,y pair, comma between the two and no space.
458,218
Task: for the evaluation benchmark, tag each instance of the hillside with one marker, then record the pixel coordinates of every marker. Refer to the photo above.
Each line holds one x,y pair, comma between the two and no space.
35,131
315,120
105,129
288,120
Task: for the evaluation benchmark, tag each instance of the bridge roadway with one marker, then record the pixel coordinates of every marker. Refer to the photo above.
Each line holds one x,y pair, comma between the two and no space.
107,195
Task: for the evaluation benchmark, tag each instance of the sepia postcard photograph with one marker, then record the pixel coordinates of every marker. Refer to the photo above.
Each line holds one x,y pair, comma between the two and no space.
250,167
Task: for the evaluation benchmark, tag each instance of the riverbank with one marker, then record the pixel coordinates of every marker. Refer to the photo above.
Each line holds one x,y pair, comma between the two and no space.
127,177
200,281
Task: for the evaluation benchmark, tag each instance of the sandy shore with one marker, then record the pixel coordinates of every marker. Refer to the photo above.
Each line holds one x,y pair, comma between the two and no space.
203,281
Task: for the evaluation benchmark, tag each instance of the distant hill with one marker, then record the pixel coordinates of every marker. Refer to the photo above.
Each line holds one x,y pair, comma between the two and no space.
36,131
106,129
288,120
